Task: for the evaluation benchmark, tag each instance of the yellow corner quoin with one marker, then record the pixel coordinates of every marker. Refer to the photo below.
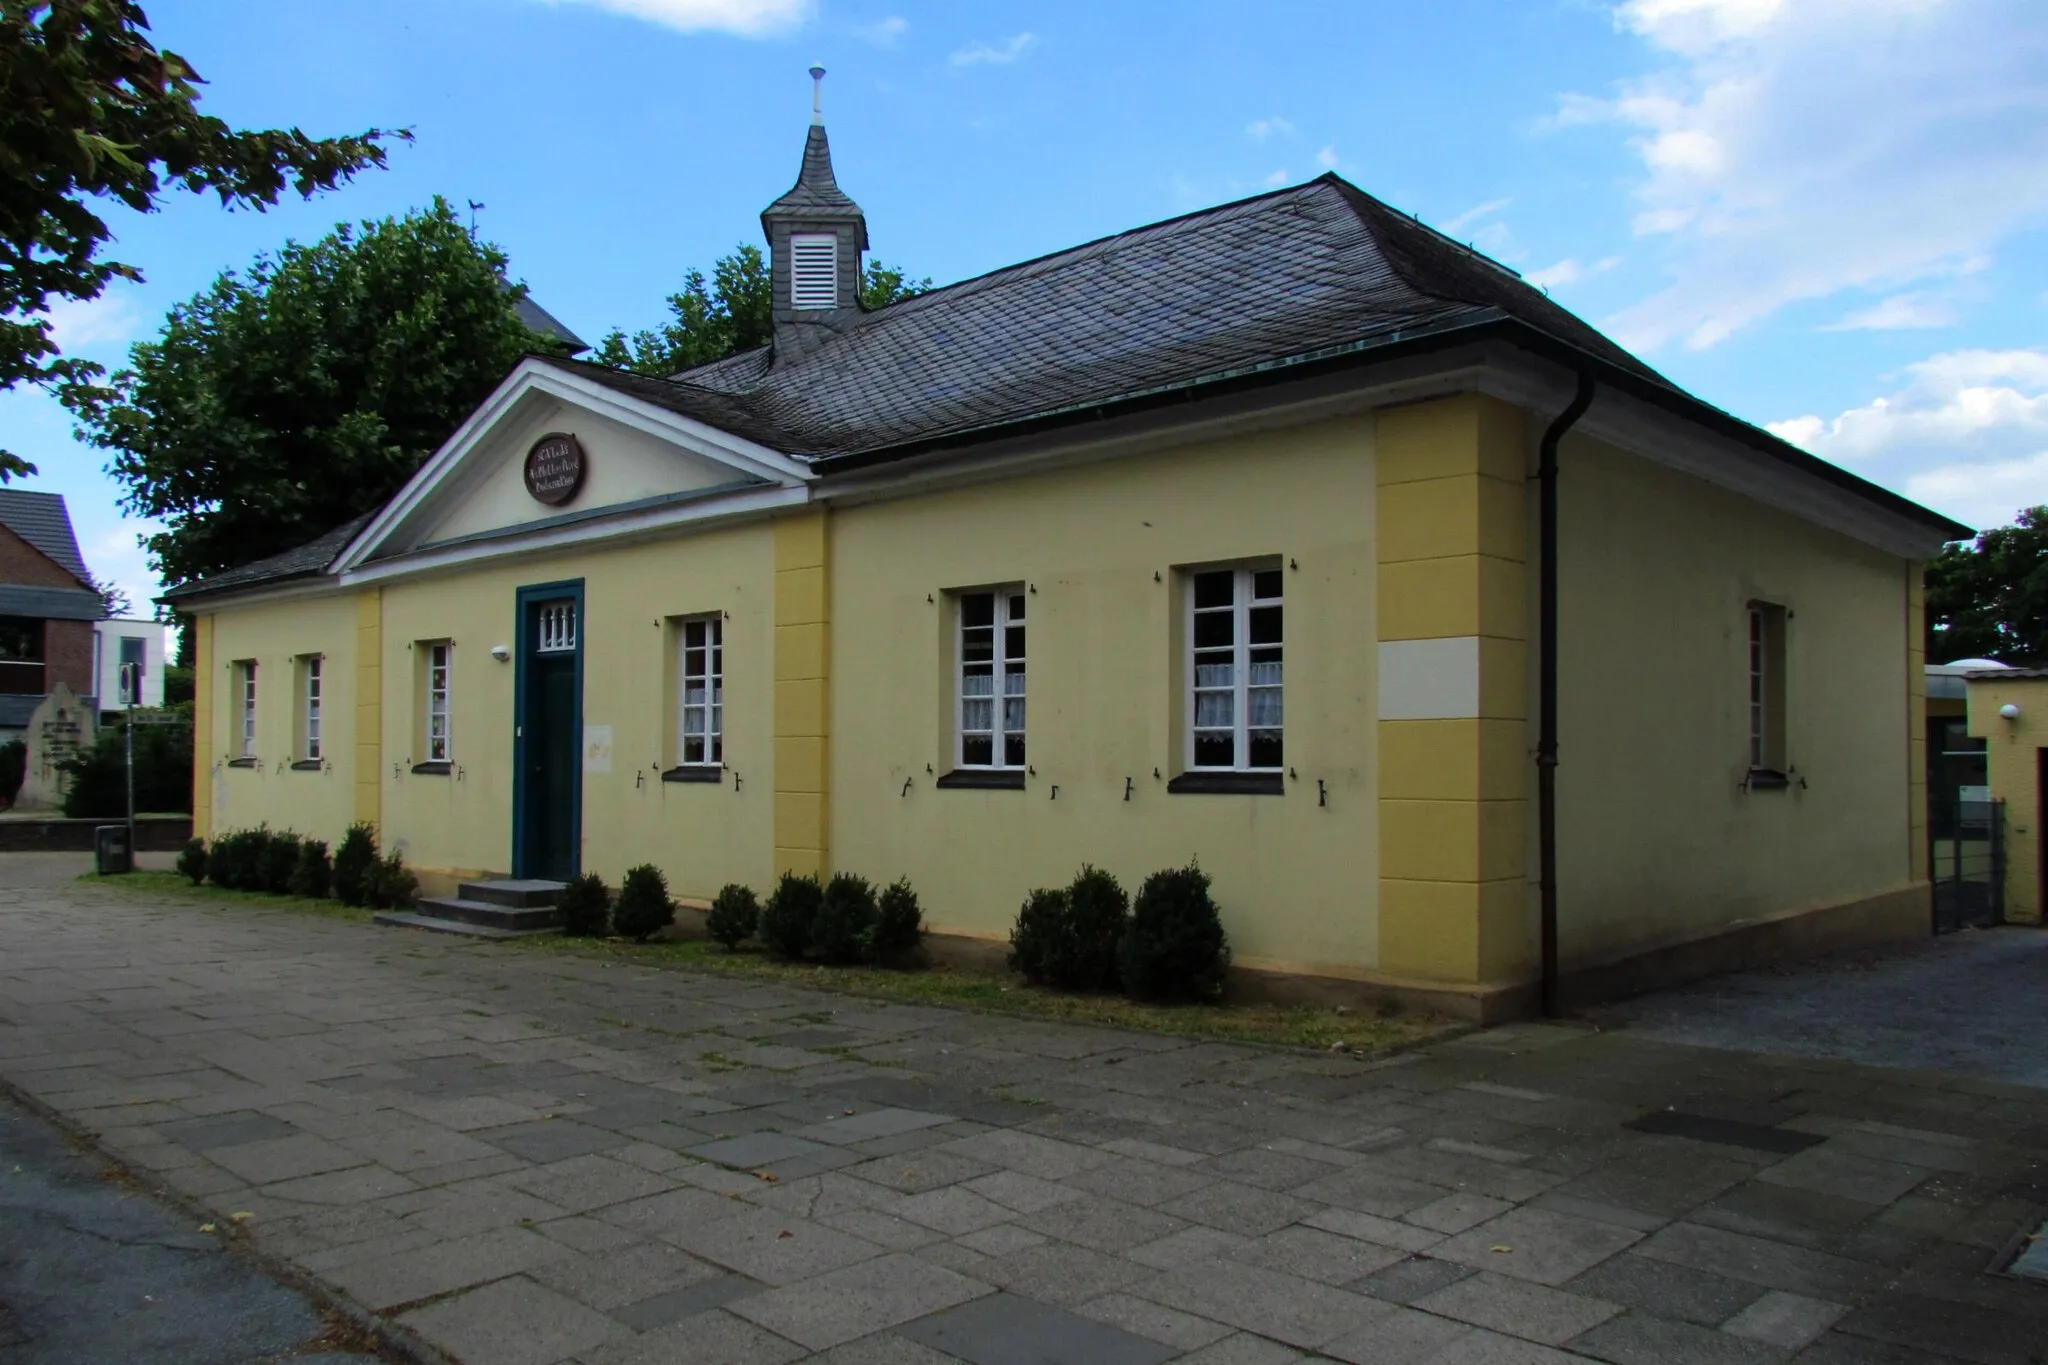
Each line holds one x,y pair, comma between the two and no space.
803,702
203,756
1453,808
369,750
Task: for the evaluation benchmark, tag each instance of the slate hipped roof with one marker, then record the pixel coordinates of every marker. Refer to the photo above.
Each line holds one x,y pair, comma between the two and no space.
42,520
304,561
1261,288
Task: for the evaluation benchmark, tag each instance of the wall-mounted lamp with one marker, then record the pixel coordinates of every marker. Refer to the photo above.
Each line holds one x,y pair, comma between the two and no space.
502,653
2009,711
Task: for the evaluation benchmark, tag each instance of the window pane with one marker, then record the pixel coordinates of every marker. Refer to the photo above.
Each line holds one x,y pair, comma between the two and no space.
717,749
693,721
1266,584
1017,607
1213,630
1214,750
1013,681
1217,589
1266,672
1013,750
978,684
1212,674
975,750
1013,643
977,646
1263,706
693,749
1265,746
693,634
977,715
1013,714
1213,709
1265,625
693,662
978,609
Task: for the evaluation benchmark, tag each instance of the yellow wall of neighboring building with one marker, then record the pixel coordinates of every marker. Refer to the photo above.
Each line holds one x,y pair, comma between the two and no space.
2012,751
318,803
1098,547
701,834
1657,843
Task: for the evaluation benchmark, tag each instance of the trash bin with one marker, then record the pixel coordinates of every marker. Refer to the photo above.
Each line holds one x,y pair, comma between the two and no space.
111,853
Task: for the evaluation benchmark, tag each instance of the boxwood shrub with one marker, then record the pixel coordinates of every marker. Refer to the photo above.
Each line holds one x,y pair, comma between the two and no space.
644,908
585,906
898,926
1175,947
733,915
787,917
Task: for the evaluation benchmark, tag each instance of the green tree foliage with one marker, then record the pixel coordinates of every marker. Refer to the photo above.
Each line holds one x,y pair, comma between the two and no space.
1988,598
92,111
731,312
279,403
96,779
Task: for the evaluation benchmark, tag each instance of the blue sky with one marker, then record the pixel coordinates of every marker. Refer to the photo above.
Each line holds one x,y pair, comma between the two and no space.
1824,215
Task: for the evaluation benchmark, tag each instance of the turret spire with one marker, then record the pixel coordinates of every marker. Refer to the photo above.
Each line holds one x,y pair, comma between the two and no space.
816,235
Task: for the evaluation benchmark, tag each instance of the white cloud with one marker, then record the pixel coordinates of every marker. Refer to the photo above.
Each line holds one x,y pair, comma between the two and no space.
884,32
1327,158
1793,151
742,18
1263,128
1472,215
998,54
1967,434
78,326
1276,179
1569,271
1897,313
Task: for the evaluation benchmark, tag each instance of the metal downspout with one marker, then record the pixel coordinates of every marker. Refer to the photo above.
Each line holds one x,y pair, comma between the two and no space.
1546,731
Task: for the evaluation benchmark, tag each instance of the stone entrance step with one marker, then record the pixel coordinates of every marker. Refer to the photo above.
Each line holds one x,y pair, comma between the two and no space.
499,908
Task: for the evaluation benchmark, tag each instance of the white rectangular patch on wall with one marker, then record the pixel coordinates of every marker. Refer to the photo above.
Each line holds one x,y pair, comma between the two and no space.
1430,679
597,748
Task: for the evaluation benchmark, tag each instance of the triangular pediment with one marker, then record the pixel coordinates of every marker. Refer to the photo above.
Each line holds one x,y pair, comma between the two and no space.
554,453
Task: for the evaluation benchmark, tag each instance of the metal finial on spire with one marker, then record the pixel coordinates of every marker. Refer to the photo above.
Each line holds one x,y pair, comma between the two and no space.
817,94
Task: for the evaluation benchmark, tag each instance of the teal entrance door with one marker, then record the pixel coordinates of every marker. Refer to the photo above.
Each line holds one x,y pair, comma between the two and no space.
547,799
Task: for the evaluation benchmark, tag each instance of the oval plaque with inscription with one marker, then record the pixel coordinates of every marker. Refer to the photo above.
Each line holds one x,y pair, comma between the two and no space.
554,468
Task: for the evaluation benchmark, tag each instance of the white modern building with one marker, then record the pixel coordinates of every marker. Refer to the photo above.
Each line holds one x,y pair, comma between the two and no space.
115,643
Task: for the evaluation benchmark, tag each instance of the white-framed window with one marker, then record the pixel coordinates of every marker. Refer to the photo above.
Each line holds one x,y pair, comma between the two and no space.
440,664
245,708
700,692
989,648
1236,709
312,743
814,270
557,627
1767,687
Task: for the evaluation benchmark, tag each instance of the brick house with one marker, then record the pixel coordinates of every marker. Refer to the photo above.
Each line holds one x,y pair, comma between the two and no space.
47,606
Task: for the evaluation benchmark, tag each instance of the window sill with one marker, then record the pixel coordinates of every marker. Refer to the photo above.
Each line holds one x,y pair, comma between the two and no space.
245,763
1766,779
308,765
1204,782
695,772
438,768
985,779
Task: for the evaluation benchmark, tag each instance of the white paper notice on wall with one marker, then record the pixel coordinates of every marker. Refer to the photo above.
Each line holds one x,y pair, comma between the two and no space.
597,748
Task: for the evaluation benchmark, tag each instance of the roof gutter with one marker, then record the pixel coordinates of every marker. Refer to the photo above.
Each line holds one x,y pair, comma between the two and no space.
1398,345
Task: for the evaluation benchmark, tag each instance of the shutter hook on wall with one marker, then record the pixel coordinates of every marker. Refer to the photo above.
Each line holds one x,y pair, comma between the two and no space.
1127,789
906,787
1322,793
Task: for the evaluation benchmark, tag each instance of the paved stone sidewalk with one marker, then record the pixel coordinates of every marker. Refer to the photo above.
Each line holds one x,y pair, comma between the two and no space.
527,1158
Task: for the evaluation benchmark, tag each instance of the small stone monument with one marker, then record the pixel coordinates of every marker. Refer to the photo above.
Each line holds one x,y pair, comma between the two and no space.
59,729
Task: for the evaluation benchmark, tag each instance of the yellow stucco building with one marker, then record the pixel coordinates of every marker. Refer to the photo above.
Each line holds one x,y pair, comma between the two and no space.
1466,653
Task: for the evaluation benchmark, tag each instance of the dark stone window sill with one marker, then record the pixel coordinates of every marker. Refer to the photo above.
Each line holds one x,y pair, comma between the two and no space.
309,765
245,763
1766,779
985,779
439,768
1218,783
695,772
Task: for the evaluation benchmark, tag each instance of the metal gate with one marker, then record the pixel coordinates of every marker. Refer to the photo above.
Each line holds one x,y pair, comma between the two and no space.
1967,863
